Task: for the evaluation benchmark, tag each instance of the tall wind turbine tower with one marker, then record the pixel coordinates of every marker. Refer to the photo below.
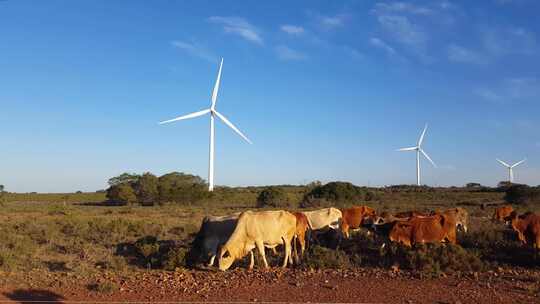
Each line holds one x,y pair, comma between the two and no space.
418,149
213,113
510,168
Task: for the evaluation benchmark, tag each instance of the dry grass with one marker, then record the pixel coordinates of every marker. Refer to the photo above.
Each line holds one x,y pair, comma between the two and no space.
75,234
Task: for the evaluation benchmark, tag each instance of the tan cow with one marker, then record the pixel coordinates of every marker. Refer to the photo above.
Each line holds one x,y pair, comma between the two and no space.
354,217
502,213
527,227
259,229
323,218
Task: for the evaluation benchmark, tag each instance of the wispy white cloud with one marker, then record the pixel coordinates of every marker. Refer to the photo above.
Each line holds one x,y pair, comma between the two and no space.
194,49
401,7
331,22
378,43
461,54
292,29
403,30
286,53
511,90
509,41
238,26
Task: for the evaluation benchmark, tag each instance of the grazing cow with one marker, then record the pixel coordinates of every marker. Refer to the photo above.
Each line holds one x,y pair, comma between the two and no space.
324,218
502,213
302,226
259,229
419,230
214,232
527,227
354,217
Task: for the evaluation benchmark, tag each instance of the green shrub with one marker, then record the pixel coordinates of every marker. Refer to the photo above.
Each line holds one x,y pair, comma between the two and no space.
274,197
181,188
146,189
522,194
320,257
337,193
434,259
121,194
175,258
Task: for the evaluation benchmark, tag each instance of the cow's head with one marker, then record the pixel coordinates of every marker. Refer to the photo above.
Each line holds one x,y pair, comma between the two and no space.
226,258
369,215
511,220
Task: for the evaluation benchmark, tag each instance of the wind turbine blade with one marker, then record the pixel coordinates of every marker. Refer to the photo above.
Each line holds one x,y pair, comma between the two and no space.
407,149
216,86
519,163
427,156
188,116
503,163
422,136
228,123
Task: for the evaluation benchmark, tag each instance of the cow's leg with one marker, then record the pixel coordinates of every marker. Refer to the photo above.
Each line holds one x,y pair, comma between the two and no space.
251,260
287,246
345,229
295,249
260,247
274,251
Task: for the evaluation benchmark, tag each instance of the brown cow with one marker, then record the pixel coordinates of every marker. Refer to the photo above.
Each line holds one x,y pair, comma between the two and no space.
420,230
354,217
302,225
502,213
527,227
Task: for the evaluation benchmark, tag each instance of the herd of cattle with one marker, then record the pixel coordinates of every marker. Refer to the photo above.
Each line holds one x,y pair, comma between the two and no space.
234,236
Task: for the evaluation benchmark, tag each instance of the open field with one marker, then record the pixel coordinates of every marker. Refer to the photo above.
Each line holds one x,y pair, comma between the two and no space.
79,249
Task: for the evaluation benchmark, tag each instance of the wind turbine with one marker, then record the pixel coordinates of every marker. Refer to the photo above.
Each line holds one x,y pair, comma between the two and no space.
213,114
510,168
418,149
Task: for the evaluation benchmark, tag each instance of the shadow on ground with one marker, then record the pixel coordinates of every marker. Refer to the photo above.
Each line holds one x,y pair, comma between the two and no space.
33,296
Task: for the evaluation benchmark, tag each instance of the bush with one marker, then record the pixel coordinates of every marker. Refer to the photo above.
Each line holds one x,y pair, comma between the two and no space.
146,189
176,258
272,197
337,192
320,257
181,188
522,194
121,194
433,259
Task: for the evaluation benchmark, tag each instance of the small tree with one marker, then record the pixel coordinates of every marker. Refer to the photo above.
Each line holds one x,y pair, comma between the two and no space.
146,189
121,194
272,197
473,185
123,178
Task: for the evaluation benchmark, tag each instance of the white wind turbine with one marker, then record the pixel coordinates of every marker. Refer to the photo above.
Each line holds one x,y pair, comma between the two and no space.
418,149
510,168
213,113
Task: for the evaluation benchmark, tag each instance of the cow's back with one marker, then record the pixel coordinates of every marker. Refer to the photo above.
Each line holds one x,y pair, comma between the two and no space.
266,226
322,218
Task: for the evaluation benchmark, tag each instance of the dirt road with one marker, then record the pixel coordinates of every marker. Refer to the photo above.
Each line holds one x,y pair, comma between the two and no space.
358,286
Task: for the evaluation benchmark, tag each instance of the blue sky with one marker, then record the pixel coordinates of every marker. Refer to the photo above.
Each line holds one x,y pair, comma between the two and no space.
326,90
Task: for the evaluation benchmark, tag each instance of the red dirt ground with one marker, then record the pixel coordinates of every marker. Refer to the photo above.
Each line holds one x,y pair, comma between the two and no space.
276,285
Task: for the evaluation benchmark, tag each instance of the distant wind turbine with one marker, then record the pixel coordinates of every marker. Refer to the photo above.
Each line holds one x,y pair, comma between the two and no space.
510,168
213,113
418,149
